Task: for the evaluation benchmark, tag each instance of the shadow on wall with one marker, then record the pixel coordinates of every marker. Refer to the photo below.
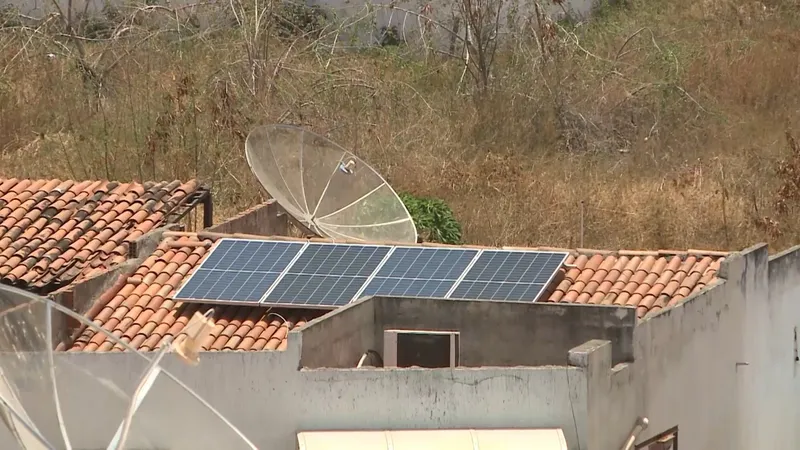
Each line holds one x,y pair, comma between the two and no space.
490,333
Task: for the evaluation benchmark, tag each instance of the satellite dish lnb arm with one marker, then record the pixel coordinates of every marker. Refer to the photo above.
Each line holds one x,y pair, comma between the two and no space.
299,224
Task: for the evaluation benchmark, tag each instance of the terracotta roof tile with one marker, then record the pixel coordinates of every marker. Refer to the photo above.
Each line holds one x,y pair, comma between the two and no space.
649,283
53,231
140,309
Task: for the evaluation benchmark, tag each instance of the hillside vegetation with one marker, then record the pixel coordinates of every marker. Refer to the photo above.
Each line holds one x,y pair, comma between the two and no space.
657,124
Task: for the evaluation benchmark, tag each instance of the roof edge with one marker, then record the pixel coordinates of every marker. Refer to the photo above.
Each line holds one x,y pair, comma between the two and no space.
104,180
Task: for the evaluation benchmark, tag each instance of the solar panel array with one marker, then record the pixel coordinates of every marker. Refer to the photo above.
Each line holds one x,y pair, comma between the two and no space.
327,275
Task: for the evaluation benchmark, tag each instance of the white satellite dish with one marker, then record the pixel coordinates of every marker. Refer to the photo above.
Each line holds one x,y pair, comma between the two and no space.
45,396
325,188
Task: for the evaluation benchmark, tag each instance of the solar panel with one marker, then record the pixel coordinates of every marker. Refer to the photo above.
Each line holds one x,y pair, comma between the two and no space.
507,275
327,275
420,272
239,270
331,275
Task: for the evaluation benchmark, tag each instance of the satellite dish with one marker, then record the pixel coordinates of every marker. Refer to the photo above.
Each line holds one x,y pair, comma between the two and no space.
325,188
41,390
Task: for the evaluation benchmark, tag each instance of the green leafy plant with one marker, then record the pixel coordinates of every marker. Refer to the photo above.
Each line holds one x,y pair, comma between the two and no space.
434,219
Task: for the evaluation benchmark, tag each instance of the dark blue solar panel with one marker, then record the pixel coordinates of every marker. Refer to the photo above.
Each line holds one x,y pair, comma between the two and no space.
509,275
327,275
239,270
420,272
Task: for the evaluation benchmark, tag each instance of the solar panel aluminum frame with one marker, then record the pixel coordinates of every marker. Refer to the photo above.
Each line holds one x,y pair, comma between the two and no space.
227,302
464,273
373,275
263,301
564,255
283,274
469,265
305,245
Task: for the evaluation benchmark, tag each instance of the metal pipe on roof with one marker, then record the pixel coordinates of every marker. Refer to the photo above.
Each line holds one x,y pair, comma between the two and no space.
641,424
208,210
377,361
582,215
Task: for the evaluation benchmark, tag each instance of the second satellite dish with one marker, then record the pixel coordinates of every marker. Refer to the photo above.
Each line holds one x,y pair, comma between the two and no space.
326,188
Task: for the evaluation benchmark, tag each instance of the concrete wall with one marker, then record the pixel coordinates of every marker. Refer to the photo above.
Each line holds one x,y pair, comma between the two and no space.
686,371
719,366
266,219
270,400
772,353
367,24
491,334
612,397
339,338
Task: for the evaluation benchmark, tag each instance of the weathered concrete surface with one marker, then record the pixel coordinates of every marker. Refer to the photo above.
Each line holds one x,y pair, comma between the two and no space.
775,360
265,395
266,219
492,334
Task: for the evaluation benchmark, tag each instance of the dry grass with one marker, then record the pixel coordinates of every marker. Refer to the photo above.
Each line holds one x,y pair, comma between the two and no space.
666,120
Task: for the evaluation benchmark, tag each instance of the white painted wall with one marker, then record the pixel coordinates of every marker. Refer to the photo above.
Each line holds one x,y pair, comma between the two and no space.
683,374
686,369
773,373
719,366
264,395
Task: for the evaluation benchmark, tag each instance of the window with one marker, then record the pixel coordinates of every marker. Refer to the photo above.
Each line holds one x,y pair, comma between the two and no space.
421,348
667,440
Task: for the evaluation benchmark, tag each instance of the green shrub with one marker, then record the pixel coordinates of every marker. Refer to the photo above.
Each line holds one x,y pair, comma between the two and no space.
435,220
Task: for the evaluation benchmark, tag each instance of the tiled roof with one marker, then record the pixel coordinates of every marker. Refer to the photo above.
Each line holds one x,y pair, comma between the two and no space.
140,310
650,281
53,231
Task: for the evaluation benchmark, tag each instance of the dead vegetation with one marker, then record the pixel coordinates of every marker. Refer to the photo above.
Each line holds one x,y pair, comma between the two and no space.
656,125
